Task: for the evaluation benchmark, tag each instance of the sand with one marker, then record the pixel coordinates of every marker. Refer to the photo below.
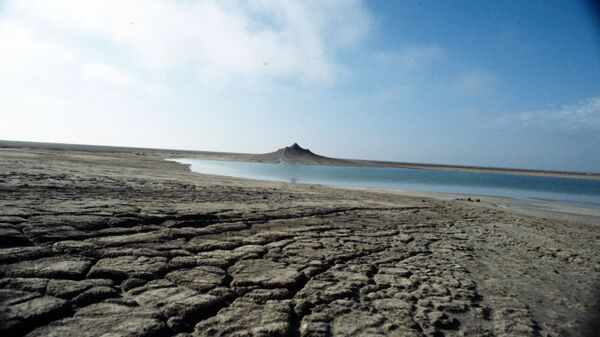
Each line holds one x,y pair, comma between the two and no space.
102,242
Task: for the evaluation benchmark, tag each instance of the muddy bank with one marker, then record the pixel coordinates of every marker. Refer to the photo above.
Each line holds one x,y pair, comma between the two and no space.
100,242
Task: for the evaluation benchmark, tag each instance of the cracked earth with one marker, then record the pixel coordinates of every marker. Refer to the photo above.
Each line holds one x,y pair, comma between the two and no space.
127,244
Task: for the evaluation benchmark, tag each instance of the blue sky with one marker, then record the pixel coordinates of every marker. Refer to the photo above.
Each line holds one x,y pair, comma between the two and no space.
511,83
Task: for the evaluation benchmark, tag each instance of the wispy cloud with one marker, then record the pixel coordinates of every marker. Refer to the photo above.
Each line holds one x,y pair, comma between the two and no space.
474,83
410,57
584,114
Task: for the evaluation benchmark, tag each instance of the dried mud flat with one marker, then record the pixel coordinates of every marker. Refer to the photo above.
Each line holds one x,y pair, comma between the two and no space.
127,244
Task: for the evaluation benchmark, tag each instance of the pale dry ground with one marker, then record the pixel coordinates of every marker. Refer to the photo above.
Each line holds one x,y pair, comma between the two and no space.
111,244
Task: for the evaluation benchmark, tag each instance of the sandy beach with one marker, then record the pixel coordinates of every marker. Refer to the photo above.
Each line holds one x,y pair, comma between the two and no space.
97,242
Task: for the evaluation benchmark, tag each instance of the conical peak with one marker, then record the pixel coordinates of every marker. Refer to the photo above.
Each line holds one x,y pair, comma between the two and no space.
295,154
296,148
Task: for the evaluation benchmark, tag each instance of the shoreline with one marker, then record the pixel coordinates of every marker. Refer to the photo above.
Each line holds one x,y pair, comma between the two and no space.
248,157
552,209
527,207
256,158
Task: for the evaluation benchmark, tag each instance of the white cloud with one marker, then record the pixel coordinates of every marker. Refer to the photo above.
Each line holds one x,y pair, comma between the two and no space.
99,72
21,49
584,114
226,40
105,75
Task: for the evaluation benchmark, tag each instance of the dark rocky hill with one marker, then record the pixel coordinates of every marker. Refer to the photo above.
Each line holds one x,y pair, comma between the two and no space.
295,154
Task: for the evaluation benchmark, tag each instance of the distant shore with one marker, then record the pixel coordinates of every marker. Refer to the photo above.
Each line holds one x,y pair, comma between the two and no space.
303,159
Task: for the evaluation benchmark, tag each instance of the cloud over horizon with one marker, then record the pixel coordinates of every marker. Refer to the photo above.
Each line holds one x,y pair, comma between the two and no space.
583,114
71,69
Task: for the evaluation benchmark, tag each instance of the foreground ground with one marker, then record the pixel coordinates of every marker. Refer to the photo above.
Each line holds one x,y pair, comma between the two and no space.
126,244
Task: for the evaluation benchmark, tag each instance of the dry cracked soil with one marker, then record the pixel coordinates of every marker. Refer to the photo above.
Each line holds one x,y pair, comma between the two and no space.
127,244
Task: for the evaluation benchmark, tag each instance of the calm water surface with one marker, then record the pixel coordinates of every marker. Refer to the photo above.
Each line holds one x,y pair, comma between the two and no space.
579,192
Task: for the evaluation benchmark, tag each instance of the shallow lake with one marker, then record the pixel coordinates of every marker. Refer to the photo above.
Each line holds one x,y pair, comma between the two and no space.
579,192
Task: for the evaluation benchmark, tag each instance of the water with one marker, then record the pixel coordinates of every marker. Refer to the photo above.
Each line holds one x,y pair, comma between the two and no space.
579,192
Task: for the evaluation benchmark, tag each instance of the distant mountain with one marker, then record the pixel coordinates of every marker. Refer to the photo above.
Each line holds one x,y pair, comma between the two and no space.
295,154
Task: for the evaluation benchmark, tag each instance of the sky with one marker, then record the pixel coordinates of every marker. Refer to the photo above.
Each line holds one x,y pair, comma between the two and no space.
486,83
